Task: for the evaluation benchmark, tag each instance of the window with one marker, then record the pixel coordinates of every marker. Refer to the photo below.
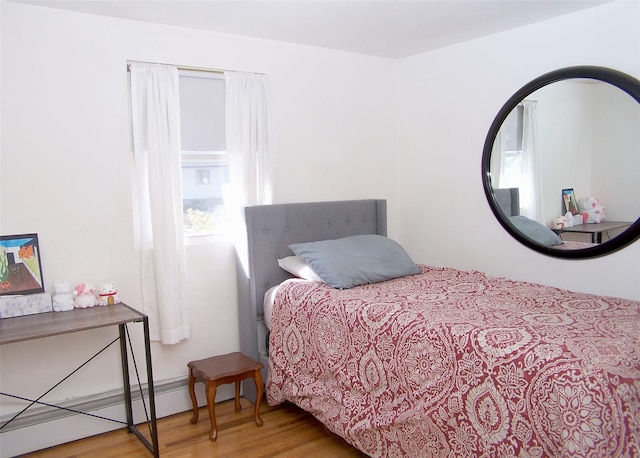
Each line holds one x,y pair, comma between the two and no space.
205,165
512,167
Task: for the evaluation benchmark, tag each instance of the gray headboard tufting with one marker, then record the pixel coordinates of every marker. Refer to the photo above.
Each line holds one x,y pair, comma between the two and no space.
270,231
508,199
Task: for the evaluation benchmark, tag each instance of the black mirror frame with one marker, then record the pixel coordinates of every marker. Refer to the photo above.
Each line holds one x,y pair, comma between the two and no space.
626,83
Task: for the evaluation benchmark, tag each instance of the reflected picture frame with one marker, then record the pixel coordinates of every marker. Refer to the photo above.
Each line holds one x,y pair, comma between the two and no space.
569,202
20,265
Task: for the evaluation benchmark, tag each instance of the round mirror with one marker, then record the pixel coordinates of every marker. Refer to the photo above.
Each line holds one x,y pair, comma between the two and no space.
561,163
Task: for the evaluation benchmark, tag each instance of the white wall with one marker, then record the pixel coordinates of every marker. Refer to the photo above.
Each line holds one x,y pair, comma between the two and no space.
66,168
447,101
614,146
565,126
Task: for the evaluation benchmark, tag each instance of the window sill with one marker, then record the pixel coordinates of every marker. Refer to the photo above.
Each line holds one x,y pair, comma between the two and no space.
208,239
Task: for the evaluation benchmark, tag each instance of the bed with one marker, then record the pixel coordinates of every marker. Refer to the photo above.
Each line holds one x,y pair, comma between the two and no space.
270,229
442,362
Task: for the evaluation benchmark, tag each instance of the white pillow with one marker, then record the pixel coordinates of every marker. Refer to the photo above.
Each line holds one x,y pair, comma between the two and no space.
295,265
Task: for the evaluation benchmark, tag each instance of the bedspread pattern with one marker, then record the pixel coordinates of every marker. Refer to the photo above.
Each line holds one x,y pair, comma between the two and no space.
450,363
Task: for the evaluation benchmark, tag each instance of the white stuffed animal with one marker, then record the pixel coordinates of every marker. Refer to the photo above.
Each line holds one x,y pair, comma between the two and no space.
62,298
107,294
591,210
562,222
84,296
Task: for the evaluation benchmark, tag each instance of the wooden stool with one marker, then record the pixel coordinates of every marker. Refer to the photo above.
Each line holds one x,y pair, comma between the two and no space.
219,370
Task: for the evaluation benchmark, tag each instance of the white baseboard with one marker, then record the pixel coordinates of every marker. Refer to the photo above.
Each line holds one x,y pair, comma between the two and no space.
39,428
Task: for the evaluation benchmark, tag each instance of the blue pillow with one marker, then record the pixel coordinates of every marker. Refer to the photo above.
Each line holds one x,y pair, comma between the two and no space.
356,260
536,231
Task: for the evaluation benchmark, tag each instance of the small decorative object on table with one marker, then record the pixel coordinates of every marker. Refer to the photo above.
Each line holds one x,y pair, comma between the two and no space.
107,294
25,304
84,296
591,209
569,203
20,267
563,222
21,284
62,297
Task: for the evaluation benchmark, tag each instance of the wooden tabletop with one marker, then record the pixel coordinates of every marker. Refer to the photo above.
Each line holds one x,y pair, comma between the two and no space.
221,366
28,327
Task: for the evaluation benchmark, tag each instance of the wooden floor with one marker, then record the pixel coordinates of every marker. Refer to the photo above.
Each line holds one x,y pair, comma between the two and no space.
287,431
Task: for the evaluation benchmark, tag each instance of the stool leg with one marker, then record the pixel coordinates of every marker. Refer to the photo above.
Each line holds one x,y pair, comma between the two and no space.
211,404
194,401
238,406
258,381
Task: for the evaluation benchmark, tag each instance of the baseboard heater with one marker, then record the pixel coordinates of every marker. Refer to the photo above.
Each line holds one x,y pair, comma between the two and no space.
42,427
38,414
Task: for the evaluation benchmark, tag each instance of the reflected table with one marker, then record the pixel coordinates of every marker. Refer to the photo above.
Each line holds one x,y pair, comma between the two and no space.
595,229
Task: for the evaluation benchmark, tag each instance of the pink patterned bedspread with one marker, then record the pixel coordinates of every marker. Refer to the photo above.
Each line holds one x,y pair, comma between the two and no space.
457,364
572,245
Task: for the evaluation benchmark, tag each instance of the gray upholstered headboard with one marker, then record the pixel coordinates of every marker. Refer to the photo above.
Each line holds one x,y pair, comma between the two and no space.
270,231
508,199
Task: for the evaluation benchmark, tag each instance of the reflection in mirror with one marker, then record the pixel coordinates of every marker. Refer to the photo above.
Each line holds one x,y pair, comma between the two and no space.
588,140
581,132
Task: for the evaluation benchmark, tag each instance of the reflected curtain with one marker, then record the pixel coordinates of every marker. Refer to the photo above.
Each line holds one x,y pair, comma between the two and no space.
530,203
498,158
158,225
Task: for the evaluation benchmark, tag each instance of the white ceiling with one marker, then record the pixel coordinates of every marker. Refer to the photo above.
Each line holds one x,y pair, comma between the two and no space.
392,29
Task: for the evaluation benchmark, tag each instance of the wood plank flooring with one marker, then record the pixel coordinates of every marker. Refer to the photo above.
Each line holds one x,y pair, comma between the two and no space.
287,431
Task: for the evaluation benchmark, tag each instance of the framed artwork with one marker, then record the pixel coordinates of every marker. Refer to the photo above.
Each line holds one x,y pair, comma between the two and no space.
20,266
569,202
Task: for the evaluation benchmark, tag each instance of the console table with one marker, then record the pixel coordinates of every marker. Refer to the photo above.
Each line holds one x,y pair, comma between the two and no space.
595,229
29,327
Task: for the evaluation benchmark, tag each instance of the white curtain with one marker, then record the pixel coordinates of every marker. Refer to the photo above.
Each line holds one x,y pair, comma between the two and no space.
155,111
498,158
250,137
530,203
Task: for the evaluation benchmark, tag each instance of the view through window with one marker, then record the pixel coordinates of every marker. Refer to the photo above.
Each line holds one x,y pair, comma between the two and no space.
205,166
